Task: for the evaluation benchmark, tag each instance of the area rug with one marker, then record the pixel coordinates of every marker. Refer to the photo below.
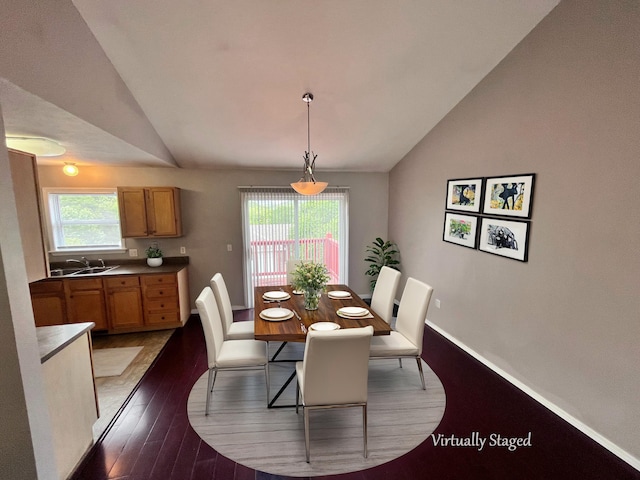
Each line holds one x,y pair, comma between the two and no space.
400,417
111,362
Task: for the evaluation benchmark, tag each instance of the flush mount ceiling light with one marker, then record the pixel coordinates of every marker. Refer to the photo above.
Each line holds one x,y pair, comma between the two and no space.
38,146
70,169
307,185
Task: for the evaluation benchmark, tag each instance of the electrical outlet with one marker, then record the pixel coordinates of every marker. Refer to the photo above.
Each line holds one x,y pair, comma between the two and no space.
437,303
229,247
133,252
183,250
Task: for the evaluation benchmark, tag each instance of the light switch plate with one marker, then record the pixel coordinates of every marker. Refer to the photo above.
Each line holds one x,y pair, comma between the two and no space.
133,252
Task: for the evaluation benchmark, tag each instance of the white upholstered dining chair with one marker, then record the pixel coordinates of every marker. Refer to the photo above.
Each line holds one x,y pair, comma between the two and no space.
406,340
384,293
227,354
232,330
334,373
292,264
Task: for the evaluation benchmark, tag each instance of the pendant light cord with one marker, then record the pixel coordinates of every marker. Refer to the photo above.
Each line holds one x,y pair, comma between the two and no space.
308,128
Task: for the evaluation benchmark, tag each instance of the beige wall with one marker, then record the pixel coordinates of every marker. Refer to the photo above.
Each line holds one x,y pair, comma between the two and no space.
564,104
212,214
26,443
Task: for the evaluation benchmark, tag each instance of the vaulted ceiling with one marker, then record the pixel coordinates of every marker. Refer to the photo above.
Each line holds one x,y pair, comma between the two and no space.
221,82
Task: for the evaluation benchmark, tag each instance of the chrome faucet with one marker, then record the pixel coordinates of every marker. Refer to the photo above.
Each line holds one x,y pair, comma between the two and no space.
83,261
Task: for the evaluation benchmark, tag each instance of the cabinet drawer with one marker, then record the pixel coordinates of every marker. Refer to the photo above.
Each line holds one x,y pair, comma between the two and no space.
153,280
161,292
46,287
160,318
85,284
124,281
162,305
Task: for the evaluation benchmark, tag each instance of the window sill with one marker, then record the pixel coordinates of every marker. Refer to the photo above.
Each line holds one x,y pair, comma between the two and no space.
66,253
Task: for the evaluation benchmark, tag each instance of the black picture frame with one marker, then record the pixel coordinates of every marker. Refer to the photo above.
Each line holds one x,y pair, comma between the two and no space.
460,229
464,194
505,238
509,195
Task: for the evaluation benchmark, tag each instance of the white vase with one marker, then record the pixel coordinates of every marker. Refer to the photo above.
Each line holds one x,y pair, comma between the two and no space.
154,262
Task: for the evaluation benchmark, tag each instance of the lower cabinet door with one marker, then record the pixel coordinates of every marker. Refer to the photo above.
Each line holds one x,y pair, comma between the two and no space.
125,308
88,306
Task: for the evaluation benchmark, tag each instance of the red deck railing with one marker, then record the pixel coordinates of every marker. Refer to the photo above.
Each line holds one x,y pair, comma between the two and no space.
269,258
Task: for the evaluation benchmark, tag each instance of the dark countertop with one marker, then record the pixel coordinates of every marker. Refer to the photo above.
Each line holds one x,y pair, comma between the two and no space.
128,267
56,337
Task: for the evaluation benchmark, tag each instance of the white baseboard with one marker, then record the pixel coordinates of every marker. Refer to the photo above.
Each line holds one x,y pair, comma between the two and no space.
605,442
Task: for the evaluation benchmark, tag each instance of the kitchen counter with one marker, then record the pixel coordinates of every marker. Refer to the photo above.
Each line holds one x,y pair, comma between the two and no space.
70,394
128,267
53,339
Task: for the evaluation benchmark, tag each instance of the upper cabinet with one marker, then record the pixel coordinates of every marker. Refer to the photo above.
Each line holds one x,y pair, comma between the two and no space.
24,175
150,211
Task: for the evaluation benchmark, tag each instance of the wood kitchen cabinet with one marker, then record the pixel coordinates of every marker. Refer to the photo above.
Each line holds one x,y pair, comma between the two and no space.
150,211
115,303
160,294
86,302
125,302
49,304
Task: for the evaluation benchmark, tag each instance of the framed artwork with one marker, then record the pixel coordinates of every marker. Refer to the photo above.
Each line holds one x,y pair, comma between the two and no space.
464,194
509,196
460,229
507,238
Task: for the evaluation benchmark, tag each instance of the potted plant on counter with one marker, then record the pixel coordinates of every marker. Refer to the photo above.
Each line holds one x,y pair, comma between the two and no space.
154,255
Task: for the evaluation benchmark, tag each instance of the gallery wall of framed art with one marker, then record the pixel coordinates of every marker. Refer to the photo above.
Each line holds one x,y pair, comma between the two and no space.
473,208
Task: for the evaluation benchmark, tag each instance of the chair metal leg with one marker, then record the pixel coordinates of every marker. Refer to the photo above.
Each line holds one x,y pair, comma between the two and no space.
424,387
305,411
297,396
210,382
266,375
364,428
400,362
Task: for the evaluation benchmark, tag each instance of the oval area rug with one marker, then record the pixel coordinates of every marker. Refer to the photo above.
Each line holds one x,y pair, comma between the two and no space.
400,417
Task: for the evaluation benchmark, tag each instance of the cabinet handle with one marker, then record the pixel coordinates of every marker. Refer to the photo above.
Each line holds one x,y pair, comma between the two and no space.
122,282
162,305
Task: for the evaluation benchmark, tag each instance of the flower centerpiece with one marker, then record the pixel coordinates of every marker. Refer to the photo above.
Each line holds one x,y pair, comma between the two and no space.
311,278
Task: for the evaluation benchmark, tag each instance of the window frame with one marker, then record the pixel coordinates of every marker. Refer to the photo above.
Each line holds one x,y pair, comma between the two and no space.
53,249
246,194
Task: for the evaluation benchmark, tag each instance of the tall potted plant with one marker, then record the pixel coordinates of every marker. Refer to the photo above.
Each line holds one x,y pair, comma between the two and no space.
381,254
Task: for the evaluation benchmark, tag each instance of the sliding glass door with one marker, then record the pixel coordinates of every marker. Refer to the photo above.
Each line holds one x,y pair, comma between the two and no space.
280,224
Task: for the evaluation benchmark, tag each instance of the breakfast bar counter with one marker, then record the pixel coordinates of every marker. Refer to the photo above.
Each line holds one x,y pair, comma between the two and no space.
67,374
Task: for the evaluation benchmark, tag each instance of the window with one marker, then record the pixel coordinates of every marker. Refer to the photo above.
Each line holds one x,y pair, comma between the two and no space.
81,220
280,224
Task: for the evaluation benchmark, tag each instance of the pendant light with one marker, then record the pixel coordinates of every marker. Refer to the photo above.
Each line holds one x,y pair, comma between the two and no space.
307,184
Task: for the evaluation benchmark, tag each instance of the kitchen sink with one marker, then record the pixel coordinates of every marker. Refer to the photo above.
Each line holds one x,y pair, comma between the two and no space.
94,270
69,272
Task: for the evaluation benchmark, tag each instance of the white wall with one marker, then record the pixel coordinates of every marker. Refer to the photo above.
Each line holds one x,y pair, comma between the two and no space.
211,214
564,104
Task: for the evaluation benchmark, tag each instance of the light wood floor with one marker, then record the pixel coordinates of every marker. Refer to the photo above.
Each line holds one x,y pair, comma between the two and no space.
240,427
113,391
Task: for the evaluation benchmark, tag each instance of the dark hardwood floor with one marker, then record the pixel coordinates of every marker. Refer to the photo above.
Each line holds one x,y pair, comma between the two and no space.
152,438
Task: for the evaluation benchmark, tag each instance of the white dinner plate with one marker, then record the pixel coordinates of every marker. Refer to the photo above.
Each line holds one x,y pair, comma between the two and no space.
298,292
276,314
339,294
354,311
324,326
276,295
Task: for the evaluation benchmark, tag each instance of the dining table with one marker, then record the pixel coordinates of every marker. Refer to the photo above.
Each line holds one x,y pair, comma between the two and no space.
295,328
